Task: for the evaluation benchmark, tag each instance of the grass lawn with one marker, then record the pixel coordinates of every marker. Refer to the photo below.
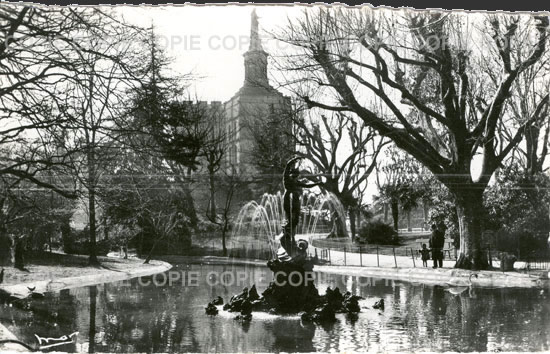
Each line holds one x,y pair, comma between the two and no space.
58,265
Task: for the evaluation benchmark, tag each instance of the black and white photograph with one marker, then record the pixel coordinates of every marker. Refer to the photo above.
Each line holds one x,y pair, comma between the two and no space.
243,178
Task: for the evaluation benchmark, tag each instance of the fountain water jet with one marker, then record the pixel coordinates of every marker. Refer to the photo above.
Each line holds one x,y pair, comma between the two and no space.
263,221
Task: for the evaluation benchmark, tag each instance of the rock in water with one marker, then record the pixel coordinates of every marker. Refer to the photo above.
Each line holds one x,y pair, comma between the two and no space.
253,294
217,301
234,305
246,312
246,307
351,303
322,314
334,298
292,291
211,309
379,304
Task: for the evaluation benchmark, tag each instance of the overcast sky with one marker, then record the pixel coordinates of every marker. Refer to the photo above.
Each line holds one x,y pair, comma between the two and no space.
210,40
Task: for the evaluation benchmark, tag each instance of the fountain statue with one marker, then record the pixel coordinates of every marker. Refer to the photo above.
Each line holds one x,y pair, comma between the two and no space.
292,289
292,208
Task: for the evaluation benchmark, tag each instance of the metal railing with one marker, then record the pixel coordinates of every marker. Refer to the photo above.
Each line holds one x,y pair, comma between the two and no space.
367,255
537,260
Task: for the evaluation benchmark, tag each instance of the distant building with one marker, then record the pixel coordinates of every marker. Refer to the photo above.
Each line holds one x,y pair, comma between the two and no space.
251,105
255,108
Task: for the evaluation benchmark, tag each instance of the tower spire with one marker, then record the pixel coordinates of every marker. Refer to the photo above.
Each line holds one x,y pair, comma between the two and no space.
255,59
255,43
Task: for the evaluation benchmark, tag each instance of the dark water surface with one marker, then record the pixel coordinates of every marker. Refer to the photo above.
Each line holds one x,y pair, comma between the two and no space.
140,316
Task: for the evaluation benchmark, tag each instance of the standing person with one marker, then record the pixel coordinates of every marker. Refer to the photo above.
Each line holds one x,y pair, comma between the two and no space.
425,252
19,252
6,248
441,241
437,241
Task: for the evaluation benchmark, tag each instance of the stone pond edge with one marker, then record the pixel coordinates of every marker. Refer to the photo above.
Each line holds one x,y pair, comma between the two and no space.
53,285
446,276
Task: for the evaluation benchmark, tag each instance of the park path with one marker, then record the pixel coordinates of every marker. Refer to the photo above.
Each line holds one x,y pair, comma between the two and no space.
408,269
372,260
340,258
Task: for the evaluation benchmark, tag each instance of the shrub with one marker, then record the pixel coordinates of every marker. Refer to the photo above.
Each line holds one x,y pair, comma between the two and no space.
519,202
206,226
517,206
378,232
520,243
77,242
177,242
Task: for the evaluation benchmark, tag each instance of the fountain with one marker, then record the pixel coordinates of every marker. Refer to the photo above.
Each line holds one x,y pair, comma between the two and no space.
259,223
292,289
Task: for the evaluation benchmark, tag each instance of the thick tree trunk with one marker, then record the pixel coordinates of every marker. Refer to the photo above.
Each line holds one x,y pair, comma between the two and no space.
409,228
224,246
352,223
6,248
341,227
105,228
385,212
19,253
140,250
395,215
470,210
532,133
91,206
191,211
91,209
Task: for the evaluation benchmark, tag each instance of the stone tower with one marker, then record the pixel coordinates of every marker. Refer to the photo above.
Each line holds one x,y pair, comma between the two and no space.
251,107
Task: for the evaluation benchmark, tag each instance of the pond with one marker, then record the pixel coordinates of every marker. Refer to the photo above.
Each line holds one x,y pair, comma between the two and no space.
165,313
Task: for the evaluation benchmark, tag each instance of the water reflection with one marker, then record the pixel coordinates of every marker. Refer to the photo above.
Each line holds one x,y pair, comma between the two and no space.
93,304
130,317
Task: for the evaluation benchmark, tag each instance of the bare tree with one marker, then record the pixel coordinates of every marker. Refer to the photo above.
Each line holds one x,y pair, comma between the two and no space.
526,95
37,51
229,184
14,203
400,186
163,221
344,151
146,199
213,152
449,113
97,99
